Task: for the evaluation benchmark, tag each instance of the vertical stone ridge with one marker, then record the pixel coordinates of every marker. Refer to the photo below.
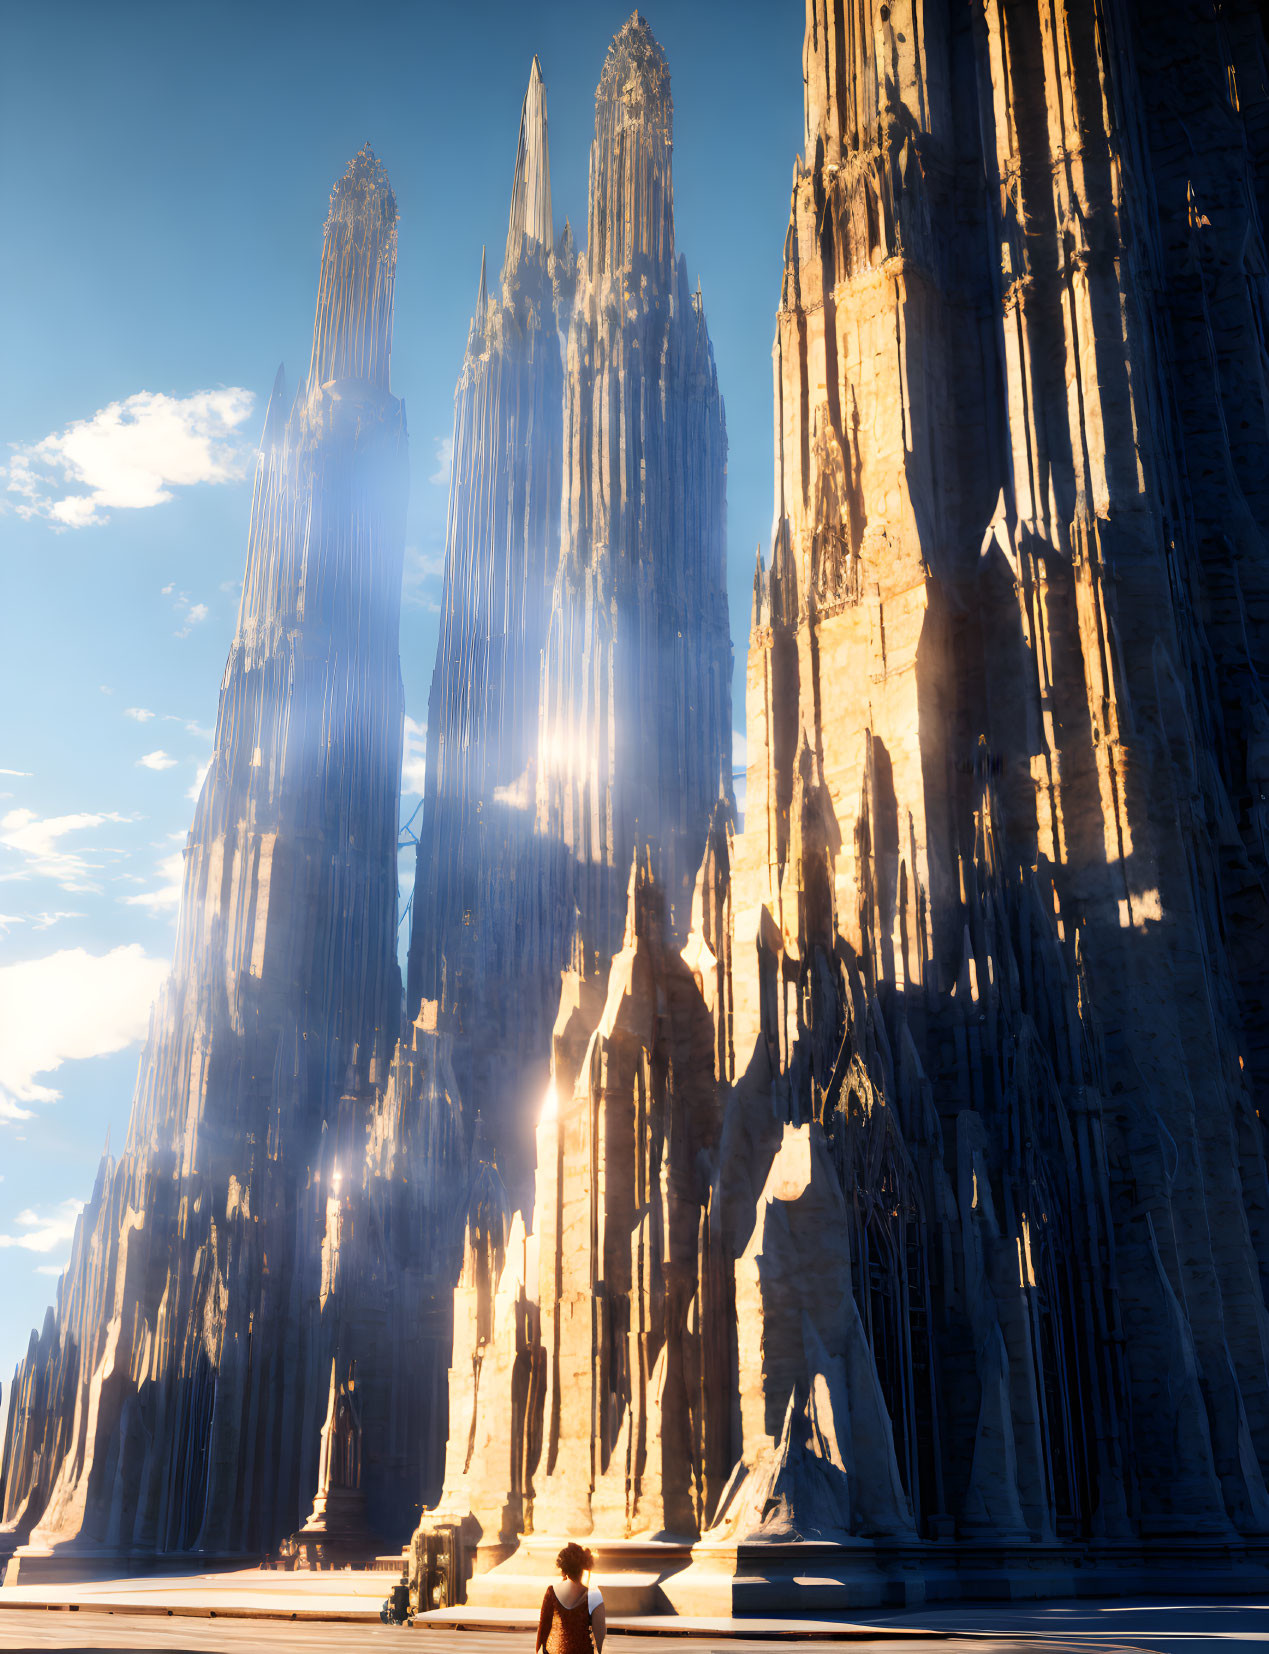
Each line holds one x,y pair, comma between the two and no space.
529,225
174,1402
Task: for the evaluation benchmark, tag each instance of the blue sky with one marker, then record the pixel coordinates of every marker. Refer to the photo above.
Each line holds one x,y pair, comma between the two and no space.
166,171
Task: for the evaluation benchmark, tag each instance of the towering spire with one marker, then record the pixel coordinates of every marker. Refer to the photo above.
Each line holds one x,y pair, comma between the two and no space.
481,312
275,414
631,185
284,979
352,332
530,219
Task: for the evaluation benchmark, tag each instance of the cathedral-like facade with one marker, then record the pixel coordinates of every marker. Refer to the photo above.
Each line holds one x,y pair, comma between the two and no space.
883,1179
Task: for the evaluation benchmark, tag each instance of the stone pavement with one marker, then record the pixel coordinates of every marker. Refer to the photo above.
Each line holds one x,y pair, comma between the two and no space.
180,1614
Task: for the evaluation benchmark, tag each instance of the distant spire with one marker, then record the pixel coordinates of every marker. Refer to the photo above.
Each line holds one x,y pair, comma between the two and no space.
275,413
631,182
530,218
352,332
482,299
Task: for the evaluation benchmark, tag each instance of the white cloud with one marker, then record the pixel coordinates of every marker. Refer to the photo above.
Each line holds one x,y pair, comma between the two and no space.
15,772
196,785
421,579
65,1007
739,749
42,1231
49,1268
130,455
171,870
37,840
444,460
518,795
190,614
140,713
45,921
414,757
158,760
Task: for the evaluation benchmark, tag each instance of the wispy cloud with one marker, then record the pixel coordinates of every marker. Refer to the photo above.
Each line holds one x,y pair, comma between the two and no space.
140,713
421,579
157,760
168,895
15,772
444,460
130,455
196,785
189,613
414,757
65,1007
42,1231
38,841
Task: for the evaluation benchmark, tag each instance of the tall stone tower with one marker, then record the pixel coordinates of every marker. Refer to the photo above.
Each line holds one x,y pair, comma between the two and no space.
1003,733
635,739
477,943
580,704
917,1204
175,1398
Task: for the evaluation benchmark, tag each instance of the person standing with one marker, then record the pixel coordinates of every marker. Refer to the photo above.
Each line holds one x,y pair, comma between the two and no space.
572,1619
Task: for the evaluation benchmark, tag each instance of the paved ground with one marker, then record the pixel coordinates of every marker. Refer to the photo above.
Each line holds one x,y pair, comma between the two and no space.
103,1632
1194,1627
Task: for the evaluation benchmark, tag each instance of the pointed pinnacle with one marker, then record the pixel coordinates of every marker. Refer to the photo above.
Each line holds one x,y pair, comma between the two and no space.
275,413
530,216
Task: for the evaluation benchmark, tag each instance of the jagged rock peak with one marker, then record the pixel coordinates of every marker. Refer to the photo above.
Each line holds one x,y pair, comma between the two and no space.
352,330
631,186
530,219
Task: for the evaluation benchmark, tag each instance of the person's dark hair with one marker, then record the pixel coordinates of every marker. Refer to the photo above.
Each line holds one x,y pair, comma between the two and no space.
574,1560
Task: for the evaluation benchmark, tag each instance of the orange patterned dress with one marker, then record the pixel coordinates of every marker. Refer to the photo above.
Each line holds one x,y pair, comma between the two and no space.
567,1630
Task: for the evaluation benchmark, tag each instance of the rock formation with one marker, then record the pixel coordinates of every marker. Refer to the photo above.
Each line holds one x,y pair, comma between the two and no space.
175,1399
914,1200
